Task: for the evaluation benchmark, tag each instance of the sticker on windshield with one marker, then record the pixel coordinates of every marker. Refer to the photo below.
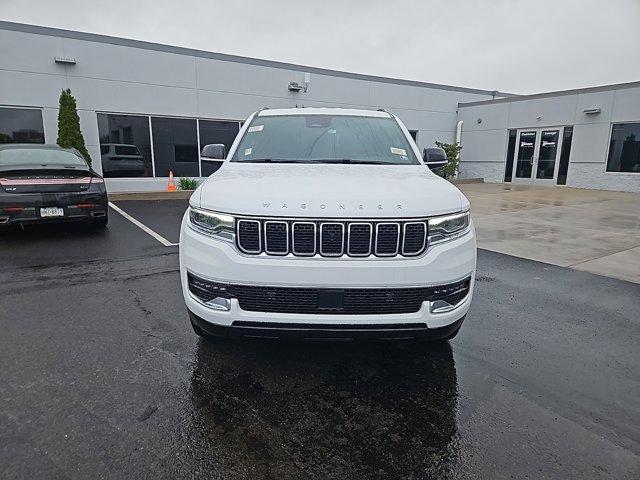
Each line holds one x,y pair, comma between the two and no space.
247,151
399,151
256,128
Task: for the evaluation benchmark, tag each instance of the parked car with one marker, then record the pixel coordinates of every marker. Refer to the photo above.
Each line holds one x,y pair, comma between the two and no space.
326,223
46,183
122,160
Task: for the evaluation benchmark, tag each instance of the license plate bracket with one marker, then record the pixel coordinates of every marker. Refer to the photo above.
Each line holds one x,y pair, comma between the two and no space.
330,299
51,212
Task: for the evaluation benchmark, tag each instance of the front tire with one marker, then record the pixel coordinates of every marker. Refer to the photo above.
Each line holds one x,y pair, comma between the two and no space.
452,335
197,330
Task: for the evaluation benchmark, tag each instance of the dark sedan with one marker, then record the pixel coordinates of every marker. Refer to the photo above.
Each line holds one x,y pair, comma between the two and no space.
47,183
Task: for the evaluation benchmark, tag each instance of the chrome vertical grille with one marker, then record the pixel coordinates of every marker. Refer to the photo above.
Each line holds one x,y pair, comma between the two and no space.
249,239
415,237
304,238
359,239
332,238
387,239
276,237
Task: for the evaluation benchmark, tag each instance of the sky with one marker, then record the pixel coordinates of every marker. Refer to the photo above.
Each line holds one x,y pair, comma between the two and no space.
515,46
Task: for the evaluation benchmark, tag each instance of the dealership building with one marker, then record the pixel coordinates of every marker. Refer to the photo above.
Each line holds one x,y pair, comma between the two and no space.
146,109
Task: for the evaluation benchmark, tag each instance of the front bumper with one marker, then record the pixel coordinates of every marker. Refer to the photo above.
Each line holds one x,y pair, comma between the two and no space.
218,261
326,331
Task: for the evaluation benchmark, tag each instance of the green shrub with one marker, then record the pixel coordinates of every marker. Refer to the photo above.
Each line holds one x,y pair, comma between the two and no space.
69,133
453,157
185,183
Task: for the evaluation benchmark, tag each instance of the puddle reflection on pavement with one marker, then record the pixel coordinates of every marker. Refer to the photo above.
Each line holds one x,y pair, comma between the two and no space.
370,410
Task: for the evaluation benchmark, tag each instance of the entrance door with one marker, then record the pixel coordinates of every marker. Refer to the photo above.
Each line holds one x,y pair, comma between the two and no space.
536,157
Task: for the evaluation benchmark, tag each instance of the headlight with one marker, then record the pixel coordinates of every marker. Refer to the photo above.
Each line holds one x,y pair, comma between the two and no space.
216,225
442,229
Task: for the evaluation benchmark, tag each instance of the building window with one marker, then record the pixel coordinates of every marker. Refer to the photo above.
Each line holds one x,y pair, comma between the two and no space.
414,135
624,148
216,132
125,145
567,136
511,150
175,146
144,146
21,125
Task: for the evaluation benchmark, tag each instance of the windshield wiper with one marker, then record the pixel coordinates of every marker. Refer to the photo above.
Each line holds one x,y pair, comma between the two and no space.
271,160
352,161
346,161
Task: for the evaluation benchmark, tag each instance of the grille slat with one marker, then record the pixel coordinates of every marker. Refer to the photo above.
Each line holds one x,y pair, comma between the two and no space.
249,236
387,239
415,236
304,238
359,241
332,238
276,238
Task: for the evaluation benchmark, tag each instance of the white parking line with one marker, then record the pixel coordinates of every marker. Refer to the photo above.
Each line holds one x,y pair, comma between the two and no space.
143,227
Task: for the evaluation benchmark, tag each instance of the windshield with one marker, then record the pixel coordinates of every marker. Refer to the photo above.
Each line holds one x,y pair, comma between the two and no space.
325,139
127,150
39,156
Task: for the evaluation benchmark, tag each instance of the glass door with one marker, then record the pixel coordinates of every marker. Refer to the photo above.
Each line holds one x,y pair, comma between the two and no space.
547,156
525,155
536,156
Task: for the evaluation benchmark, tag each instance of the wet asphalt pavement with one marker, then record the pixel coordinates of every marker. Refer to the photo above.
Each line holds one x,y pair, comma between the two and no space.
102,377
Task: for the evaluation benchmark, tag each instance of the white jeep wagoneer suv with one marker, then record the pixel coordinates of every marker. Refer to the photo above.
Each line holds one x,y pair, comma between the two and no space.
326,223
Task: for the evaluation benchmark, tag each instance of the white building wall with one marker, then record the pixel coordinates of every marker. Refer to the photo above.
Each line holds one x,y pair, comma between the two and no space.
484,143
135,77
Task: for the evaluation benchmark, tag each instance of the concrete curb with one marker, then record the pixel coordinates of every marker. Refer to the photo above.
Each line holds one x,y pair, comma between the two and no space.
177,195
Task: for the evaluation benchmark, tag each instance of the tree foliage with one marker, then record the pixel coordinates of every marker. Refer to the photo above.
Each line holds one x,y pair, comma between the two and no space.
452,150
69,133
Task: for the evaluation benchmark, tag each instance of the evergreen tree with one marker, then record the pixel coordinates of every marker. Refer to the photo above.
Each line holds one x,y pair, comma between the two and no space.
452,150
69,134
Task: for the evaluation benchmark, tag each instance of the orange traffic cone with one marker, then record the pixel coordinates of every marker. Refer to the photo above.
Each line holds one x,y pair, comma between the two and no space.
171,186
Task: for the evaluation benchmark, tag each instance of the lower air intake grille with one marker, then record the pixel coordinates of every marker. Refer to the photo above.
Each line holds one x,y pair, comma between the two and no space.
352,301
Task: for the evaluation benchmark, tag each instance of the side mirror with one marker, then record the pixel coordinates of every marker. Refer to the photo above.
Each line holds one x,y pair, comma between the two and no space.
434,158
213,152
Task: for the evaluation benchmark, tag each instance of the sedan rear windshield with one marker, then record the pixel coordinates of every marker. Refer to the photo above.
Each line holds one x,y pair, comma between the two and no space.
39,156
127,150
325,139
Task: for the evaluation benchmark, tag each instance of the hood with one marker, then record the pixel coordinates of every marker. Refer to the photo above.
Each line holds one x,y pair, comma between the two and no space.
324,190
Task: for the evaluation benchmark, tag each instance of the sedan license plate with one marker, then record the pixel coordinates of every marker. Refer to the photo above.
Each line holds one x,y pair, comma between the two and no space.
49,212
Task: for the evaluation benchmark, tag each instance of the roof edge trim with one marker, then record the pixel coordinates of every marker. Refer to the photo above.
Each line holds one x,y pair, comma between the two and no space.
159,47
559,93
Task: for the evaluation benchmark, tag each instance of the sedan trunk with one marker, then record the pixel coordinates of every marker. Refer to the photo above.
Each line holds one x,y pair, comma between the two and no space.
45,180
